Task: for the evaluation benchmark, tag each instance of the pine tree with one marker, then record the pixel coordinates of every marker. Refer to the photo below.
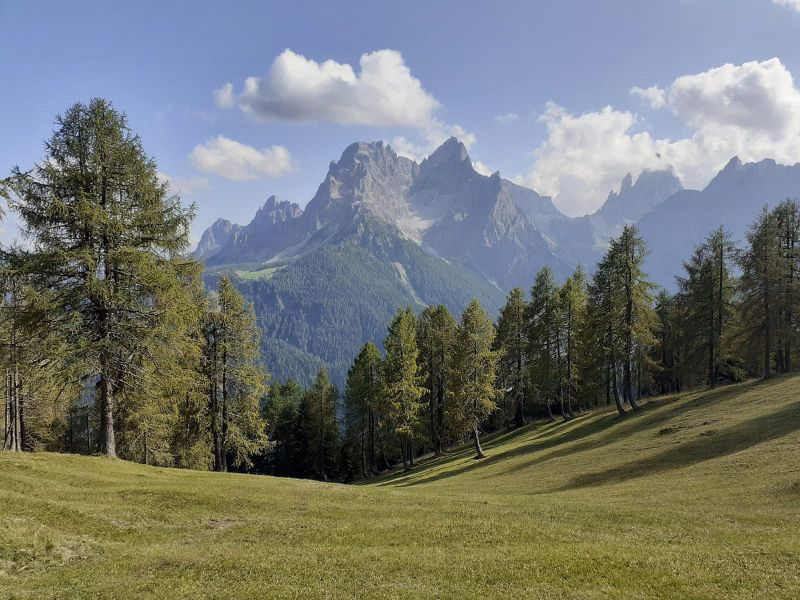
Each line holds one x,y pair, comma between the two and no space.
435,336
235,380
542,324
707,295
473,393
572,303
639,321
403,383
512,346
318,427
363,401
102,230
769,285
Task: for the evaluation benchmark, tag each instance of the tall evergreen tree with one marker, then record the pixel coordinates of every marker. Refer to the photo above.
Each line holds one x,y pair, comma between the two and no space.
707,294
435,336
474,371
639,321
403,382
235,380
572,303
542,323
512,344
363,402
319,427
102,230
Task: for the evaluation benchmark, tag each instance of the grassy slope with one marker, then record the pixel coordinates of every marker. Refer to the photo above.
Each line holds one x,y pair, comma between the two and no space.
698,496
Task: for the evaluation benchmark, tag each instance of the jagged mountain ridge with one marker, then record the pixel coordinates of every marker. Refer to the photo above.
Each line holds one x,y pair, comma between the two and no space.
383,231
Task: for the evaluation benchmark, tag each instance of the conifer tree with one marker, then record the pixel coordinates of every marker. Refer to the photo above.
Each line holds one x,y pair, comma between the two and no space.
403,382
319,426
235,381
102,230
473,393
542,323
707,295
512,346
572,303
638,319
363,401
769,285
435,336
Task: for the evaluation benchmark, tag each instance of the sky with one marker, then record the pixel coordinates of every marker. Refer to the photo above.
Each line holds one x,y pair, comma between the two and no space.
240,100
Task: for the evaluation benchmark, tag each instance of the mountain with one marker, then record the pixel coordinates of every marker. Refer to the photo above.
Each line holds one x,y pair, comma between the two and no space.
633,201
384,231
215,238
732,199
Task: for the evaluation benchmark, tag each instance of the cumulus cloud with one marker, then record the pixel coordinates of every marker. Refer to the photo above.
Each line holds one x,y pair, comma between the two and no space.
184,185
653,96
481,168
381,93
750,110
233,160
507,118
793,4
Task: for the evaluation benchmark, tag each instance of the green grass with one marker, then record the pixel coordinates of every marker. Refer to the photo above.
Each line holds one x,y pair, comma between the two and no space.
261,274
696,496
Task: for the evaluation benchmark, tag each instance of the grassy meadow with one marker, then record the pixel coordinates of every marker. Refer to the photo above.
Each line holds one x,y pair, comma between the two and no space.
695,496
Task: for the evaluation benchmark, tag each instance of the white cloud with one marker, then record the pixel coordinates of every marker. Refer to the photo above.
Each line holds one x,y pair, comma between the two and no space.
481,168
793,4
233,160
654,96
507,118
223,97
750,110
383,93
184,185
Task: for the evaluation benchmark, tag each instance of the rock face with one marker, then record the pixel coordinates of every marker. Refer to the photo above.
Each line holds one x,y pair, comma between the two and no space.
383,231
215,238
733,200
633,201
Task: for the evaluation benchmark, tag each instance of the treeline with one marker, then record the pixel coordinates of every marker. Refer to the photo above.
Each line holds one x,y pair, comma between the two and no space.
110,344
555,352
108,341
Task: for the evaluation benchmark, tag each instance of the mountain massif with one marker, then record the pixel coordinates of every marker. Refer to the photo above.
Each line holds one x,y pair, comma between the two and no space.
384,231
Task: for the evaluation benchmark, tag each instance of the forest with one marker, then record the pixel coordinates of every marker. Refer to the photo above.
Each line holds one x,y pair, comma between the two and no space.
112,345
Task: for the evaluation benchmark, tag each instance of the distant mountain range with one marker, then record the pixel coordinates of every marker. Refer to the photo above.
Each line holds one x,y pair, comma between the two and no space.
384,231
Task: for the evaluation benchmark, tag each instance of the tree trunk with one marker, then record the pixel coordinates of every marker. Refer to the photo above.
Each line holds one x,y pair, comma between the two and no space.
478,450
108,445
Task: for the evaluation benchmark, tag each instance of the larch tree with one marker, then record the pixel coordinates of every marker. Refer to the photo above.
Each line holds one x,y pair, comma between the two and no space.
318,427
473,389
435,336
363,401
638,319
102,230
542,323
707,295
511,343
403,383
572,303
235,381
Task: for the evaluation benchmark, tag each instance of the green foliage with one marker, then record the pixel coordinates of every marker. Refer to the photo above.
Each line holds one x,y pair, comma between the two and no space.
473,394
319,428
234,378
103,233
512,344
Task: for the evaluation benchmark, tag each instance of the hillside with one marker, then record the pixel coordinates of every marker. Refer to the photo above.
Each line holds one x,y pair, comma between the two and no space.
696,496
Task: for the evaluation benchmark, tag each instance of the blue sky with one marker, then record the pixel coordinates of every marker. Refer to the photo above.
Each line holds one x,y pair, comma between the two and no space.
541,91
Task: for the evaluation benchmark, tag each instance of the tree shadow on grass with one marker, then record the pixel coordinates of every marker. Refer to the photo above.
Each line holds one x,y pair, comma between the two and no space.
600,431
708,445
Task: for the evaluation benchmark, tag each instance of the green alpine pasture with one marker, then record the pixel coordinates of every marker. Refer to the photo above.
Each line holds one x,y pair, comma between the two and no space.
695,496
